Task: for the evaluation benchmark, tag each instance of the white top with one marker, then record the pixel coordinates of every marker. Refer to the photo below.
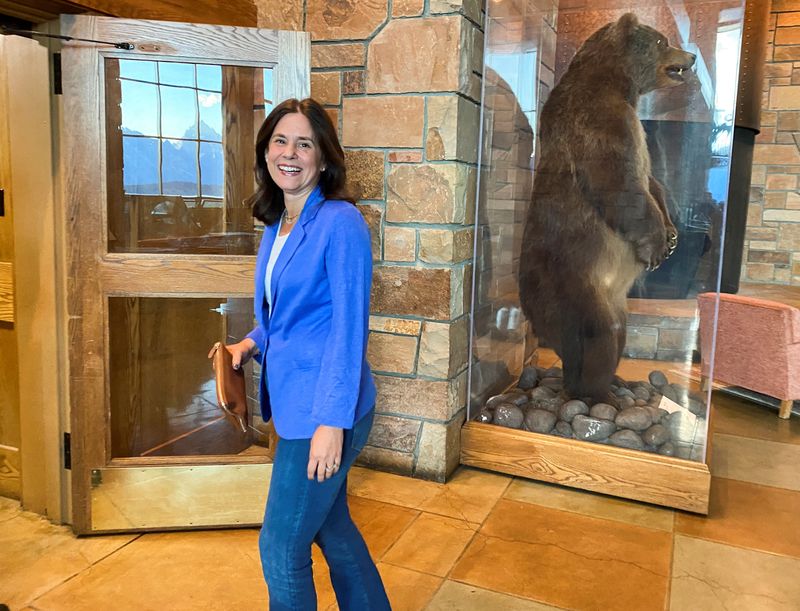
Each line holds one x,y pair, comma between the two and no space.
277,247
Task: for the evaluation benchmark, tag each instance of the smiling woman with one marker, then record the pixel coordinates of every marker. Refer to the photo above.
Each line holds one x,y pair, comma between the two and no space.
294,161
313,280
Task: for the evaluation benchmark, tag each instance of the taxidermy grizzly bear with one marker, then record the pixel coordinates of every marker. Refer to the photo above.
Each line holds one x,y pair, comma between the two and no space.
597,218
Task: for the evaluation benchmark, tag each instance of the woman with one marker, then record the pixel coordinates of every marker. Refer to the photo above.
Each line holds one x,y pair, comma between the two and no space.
313,275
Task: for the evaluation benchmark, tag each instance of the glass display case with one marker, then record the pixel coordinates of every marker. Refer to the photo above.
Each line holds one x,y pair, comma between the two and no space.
605,158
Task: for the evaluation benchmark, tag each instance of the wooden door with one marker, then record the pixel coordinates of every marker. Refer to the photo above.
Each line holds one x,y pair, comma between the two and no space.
156,164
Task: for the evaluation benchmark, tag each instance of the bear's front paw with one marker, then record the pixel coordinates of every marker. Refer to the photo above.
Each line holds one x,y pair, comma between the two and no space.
651,252
672,240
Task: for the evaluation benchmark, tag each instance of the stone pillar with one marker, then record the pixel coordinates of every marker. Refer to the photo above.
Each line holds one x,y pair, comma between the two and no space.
403,85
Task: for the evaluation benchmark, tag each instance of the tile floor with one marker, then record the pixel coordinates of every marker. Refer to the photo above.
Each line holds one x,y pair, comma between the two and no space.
482,541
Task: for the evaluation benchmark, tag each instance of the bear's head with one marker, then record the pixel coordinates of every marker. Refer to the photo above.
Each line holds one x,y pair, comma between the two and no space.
641,52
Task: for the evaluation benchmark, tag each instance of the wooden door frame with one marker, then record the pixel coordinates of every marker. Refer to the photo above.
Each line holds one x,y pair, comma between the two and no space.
92,274
30,155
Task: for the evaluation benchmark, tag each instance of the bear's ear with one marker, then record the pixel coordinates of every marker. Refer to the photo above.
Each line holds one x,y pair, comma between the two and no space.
628,22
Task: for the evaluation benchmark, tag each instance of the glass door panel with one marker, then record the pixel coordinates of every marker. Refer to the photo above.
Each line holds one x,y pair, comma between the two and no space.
163,397
159,155
180,139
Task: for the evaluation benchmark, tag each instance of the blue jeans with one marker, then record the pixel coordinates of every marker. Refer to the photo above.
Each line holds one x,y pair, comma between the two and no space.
301,512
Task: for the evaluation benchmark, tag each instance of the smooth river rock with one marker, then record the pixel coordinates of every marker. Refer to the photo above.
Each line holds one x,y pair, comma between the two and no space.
604,411
669,392
592,429
668,449
517,398
658,378
539,420
528,378
622,391
656,435
572,408
564,429
551,405
553,383
493,402
540,392
635,418
626,439
508,415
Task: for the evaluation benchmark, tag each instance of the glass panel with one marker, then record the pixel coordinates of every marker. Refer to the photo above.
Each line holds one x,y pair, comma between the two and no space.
572,334
178,112
170,73
138,70
140,165
269,91
210,116
163,400
212,169
169,193
139,108
180,167
209,77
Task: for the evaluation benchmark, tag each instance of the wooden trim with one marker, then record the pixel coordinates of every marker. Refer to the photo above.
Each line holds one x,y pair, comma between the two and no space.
641,476
192,496
196,42
6,291
292,77
36,279
178,277
163,461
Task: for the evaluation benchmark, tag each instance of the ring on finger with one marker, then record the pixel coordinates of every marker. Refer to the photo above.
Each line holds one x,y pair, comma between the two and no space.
330,468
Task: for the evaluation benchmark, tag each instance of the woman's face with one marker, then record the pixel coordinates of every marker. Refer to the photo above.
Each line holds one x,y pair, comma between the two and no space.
294,159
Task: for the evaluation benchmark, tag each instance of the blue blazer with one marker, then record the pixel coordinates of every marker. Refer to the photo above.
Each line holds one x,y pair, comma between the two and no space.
313,346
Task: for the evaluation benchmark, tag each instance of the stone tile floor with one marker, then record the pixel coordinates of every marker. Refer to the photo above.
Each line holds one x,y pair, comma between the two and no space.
482,541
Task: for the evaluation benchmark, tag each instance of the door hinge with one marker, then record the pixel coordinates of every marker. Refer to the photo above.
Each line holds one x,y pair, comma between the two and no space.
57,90
67,451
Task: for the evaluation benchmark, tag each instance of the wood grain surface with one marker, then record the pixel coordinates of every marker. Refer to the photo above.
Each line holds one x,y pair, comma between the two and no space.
619,472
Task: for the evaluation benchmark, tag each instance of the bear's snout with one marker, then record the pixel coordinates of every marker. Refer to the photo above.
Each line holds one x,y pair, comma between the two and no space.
675,64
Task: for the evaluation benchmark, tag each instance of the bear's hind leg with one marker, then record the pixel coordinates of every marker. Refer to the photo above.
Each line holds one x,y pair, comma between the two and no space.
590,350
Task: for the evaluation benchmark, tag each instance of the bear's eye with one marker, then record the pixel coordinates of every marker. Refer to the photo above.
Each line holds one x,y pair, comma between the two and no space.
660,41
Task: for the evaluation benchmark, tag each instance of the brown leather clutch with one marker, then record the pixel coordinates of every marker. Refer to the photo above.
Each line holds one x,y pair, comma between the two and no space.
231,392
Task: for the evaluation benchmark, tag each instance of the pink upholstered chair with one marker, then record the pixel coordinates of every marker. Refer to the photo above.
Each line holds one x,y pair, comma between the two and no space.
758,345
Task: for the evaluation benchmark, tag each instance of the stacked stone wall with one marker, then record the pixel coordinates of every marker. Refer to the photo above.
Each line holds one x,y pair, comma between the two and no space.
402,82
772,241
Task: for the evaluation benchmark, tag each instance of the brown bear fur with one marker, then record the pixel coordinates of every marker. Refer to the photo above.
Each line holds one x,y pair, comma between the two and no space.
597,217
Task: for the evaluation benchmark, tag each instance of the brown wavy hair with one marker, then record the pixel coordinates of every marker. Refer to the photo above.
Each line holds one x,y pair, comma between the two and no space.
267,201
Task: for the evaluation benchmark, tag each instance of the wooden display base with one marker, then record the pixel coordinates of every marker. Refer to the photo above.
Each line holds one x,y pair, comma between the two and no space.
661,480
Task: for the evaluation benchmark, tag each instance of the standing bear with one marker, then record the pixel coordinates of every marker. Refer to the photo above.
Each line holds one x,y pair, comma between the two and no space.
597,218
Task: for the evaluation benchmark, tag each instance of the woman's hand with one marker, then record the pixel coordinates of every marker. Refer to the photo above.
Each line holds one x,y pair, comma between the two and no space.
326,452
241,352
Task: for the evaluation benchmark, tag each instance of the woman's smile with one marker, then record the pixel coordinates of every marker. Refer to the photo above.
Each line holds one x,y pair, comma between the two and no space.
293,157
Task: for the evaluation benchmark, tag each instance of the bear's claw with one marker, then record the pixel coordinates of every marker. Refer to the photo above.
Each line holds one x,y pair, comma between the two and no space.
672,241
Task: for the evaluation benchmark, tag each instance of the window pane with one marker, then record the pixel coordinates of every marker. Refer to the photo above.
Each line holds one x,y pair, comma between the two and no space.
176,74
179,169
209,77
140,165
163,401
269,94
178,113
139,108
135,69
210,115
212,169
